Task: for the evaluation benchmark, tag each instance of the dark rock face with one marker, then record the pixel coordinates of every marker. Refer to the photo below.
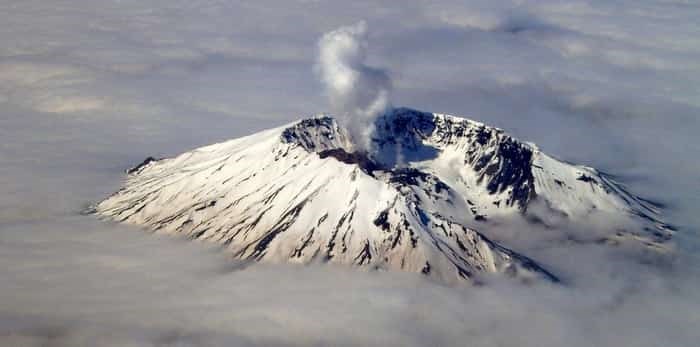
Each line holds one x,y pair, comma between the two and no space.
585,178
402,136
358,158
316,134
140,166
399,138
502,163
408,176
507,168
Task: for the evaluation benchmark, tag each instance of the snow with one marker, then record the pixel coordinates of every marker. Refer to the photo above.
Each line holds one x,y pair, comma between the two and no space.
271,197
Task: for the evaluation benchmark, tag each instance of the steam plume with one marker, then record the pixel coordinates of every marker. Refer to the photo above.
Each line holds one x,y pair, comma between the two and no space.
357,92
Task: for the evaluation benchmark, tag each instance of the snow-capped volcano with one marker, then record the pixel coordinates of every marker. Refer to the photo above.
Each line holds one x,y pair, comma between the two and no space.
301,194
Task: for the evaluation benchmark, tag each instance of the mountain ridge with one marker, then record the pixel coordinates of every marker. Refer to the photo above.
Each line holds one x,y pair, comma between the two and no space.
301,193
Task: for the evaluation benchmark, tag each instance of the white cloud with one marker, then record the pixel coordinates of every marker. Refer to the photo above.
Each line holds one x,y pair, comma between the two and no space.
591,82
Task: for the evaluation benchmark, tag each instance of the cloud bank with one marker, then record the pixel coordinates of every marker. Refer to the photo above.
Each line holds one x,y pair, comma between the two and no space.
74,281
88,89
357,92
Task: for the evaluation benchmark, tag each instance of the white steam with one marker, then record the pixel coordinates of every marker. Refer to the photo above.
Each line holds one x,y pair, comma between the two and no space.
357,92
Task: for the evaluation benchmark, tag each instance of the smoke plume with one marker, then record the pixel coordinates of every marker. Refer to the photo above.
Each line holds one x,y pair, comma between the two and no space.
357,92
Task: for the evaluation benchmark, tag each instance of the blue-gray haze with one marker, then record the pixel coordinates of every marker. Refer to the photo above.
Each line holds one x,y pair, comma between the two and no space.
88,88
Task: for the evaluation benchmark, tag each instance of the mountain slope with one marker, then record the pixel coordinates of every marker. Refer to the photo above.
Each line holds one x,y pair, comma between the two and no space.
300,193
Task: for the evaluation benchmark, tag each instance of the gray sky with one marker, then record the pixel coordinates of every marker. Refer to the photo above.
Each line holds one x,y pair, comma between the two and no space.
88,88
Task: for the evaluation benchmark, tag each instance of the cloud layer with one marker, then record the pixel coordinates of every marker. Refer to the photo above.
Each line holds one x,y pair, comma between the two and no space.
89,89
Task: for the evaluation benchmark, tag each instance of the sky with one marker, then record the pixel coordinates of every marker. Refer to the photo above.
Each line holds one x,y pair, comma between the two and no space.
89,88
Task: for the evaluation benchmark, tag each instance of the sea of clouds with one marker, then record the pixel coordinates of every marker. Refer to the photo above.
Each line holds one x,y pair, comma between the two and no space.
89,88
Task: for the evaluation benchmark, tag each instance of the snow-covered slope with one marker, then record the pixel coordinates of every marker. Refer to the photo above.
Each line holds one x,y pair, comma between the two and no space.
299,193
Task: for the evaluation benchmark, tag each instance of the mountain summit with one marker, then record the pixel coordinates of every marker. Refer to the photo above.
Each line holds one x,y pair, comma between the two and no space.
301,193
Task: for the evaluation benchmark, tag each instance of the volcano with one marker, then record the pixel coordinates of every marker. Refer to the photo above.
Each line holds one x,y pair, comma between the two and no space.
302,193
